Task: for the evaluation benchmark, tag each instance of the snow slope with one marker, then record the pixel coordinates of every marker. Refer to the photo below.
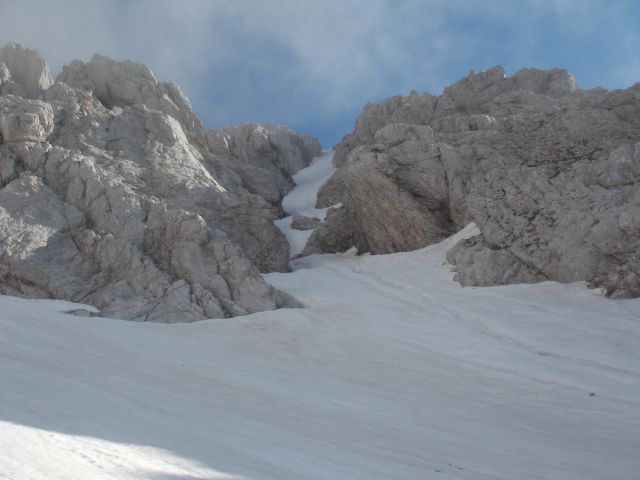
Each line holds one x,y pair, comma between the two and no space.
302,200
393,372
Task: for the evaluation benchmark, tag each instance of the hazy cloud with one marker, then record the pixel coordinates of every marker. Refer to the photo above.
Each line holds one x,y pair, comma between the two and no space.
313,64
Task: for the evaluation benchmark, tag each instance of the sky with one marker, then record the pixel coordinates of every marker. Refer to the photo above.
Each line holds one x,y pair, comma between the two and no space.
313,65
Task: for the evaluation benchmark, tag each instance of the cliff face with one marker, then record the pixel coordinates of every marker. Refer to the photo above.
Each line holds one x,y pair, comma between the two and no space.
112,194
550,174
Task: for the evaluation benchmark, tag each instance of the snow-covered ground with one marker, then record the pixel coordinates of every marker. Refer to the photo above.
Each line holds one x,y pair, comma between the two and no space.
393,372
302,200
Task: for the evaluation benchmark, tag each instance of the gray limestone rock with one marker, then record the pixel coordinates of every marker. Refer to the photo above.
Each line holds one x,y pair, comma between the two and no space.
25,70
110,196
264,156
414,109
122,84
549,173
335,232
486,266
302,222
7,165
24,120
397,191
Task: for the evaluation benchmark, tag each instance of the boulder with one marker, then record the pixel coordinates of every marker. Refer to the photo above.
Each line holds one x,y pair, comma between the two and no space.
302,222
397,191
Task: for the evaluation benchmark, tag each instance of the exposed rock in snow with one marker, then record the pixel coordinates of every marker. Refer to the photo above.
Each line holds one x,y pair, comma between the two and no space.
111,197
487,266
395,191
549,173
302,222
258,161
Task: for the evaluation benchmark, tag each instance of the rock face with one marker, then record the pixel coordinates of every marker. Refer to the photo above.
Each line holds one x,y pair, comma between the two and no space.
548,172
128,83
23,72
264,156
302,222
111,195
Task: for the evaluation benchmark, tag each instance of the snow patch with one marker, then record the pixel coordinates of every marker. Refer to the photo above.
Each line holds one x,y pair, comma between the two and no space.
302,200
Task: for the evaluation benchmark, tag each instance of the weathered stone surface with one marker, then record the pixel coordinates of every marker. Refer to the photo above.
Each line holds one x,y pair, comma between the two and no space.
302,222
264,156
335,232
126,84
486,266
24,120
23,71
414,109
548,172
397,191
110,196
7,165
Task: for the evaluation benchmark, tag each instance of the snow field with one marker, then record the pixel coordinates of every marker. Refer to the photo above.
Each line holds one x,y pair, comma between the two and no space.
392,372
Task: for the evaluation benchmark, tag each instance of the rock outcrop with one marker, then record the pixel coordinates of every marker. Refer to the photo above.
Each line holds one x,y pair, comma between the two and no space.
23,72
122,84
265,157
549,173
111,195
302,222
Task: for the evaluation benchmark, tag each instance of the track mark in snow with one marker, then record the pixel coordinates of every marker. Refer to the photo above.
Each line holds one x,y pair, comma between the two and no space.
394,372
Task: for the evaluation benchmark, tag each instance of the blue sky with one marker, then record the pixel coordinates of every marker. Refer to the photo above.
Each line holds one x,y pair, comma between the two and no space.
313,65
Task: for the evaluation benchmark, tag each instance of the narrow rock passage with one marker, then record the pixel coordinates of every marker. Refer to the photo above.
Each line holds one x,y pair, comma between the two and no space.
302,200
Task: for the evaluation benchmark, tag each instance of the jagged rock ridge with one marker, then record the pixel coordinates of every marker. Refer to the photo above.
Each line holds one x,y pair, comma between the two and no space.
112,194
550,174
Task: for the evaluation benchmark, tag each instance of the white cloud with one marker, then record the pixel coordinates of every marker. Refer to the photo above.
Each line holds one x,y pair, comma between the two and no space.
327,57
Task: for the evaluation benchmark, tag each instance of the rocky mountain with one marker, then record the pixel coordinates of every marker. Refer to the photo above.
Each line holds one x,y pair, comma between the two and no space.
113,194
550,174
